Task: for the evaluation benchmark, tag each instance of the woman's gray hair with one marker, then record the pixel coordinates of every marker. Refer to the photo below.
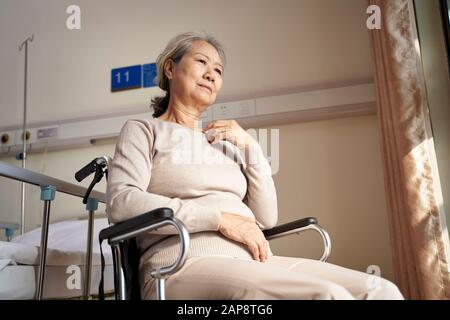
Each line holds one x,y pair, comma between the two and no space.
175,50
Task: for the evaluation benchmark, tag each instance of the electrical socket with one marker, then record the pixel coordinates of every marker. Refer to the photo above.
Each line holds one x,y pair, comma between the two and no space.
234,110
47,133
7,138
30,136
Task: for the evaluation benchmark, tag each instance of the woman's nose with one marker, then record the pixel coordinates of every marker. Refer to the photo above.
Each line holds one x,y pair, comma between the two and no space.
208,76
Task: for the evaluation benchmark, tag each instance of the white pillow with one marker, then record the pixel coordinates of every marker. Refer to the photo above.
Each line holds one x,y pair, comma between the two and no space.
18,252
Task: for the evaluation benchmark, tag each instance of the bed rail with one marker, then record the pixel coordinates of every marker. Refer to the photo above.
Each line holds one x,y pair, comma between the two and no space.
49,186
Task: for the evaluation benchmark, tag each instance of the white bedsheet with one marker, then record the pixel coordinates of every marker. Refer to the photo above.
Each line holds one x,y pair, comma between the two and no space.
68,237
18,253
66,246
17,282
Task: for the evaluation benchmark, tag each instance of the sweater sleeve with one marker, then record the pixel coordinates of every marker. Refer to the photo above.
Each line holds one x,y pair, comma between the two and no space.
261,195
129,177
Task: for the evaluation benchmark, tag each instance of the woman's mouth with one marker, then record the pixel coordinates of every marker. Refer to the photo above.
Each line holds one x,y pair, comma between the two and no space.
205,88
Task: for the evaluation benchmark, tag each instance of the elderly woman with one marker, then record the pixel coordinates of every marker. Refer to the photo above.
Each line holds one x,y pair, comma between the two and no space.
224,202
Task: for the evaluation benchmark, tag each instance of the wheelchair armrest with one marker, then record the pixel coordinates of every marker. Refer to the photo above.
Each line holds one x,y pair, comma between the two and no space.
135,225
298,226
151,220
288,228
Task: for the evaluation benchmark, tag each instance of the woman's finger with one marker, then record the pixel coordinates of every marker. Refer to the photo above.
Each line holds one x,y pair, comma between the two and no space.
216,124
213,132
254,249
261,251
216,138
264,250
220,134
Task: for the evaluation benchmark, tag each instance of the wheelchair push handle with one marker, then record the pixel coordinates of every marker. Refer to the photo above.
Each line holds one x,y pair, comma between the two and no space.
85,171
96,164
99,166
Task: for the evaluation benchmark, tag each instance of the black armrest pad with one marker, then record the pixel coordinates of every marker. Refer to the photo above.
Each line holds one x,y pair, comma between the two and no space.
136,223
290,226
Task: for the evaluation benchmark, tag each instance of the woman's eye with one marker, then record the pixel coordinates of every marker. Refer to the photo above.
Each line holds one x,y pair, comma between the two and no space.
202,61
219,71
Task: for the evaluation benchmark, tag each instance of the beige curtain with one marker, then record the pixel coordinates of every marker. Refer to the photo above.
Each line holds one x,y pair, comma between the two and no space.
418,230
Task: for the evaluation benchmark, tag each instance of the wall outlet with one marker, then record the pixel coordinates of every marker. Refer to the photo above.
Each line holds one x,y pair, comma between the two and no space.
7,138
223,111
47,133
234,110
30,136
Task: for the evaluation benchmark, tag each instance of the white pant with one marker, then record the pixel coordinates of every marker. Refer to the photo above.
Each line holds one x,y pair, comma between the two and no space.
224,278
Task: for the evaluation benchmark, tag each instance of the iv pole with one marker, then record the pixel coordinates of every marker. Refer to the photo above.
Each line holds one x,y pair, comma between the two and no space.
24,150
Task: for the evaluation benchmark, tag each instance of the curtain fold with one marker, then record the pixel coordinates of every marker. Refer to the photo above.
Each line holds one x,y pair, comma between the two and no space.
419,235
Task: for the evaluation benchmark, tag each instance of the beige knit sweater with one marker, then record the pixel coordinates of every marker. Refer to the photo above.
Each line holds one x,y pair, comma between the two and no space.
164,164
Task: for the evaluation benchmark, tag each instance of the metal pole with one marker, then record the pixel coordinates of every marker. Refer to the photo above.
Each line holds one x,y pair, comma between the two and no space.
91,206
24,150
160,289
43,254
119,276
87,271
47,195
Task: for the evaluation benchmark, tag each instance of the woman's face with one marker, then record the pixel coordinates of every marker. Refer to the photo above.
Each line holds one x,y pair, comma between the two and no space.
197,78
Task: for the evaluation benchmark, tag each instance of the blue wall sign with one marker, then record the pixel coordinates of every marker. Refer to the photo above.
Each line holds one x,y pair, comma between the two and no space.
149,75
126,78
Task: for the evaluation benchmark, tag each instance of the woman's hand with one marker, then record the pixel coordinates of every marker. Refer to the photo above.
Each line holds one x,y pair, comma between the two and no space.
229,130
246,231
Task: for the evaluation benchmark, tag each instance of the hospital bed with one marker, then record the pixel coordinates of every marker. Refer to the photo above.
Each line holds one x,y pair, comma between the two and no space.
65,262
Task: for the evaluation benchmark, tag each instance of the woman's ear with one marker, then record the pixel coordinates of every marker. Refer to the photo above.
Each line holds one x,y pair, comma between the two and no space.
168,68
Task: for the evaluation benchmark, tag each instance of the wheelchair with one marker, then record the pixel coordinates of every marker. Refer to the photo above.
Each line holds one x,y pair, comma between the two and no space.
122,239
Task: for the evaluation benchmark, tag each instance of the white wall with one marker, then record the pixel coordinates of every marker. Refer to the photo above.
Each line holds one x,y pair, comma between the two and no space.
332,170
